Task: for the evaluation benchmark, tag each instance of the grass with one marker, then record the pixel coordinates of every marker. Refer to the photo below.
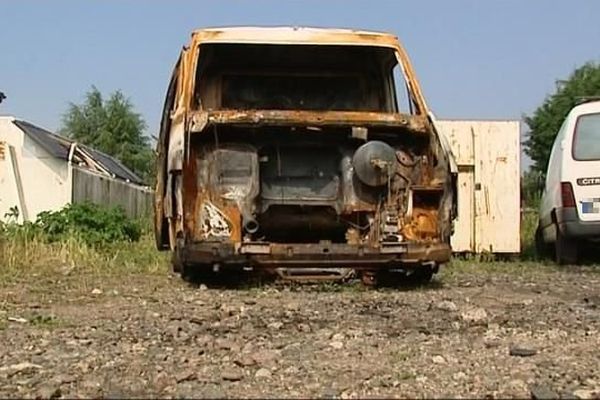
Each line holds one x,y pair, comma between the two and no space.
24,256
79,238
46,321
525,263
529,223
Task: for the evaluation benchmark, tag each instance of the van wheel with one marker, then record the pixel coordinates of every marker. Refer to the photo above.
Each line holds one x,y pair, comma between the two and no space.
421,275
566,250
198,273
176,263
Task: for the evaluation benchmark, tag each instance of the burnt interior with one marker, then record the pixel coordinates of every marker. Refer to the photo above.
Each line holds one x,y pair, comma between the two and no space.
295,77
306,184
298,185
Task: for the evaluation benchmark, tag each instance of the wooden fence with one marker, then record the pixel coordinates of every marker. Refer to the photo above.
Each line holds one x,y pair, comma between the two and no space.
99,189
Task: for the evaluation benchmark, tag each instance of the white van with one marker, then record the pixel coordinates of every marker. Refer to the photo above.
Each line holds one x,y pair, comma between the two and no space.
570,206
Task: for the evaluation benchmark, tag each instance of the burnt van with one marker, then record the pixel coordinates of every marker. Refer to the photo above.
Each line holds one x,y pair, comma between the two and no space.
289,150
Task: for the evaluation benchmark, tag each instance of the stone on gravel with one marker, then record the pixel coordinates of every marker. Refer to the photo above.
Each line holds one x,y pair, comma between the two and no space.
265,358
438,360
521,351
475,316
568,396
517,385
231,375
17,319
96,291
245,361
491,343
446,306
65,378
262,373
226,344
584,394
184,376
459,376
49,392
329,393
337,345
23,367
540,392
275,325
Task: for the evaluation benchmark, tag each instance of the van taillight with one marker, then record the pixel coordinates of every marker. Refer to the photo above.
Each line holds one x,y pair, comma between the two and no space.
566,191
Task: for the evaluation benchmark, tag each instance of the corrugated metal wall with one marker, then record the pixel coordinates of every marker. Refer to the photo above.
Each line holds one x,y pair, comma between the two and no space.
99,189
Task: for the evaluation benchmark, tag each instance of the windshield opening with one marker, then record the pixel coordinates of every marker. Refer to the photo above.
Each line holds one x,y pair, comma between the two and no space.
295,77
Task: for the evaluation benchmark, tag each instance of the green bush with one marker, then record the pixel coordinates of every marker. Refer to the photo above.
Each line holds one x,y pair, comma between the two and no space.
94,225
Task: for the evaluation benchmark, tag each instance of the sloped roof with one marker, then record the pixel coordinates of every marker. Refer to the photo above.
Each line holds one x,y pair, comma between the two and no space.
59,146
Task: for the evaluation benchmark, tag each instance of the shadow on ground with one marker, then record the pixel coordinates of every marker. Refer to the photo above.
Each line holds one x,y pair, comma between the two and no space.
244,280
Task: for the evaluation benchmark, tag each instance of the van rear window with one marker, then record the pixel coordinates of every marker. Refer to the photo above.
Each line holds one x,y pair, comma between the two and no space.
586,141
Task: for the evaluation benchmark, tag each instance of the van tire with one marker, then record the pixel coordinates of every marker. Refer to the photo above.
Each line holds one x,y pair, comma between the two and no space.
566,249
176,263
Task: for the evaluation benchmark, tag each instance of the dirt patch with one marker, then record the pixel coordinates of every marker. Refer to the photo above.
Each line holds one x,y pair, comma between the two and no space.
469,333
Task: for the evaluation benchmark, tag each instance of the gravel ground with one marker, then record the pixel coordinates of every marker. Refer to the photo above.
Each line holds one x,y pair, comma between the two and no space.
473,333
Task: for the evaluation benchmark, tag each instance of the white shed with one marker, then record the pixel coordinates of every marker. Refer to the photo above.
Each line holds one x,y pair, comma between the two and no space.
488,158
41,171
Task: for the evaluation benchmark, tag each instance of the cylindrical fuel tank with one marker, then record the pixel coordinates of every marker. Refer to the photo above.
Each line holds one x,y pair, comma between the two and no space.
374,163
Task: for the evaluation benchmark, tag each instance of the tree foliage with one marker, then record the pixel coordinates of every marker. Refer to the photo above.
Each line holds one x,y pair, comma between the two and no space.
532,184
546,121
111,126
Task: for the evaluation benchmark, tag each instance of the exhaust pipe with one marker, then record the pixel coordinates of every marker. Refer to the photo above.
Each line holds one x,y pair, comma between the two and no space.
249,224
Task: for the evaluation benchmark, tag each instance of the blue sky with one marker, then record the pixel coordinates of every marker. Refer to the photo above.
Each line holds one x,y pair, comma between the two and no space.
475,59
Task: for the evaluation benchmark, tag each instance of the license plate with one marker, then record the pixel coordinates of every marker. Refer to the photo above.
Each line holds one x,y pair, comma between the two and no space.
590,206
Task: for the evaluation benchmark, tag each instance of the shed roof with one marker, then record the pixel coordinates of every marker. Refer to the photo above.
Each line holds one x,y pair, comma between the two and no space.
59,146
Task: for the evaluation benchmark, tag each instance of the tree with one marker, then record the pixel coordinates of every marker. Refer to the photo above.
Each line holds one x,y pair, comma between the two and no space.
532,184
546,121
111,126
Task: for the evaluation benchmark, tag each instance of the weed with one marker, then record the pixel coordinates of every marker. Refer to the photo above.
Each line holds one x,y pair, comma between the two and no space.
529,223
93,224
402,356
22,257
96,240
406,375
44,320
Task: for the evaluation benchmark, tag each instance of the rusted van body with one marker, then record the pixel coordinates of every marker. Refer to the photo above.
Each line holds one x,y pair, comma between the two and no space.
284,149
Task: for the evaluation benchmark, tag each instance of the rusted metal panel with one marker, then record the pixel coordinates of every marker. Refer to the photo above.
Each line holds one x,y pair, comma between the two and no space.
293,35
307,255
416,124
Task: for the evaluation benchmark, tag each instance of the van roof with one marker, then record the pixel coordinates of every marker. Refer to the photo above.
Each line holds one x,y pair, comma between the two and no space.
293,35
588,106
